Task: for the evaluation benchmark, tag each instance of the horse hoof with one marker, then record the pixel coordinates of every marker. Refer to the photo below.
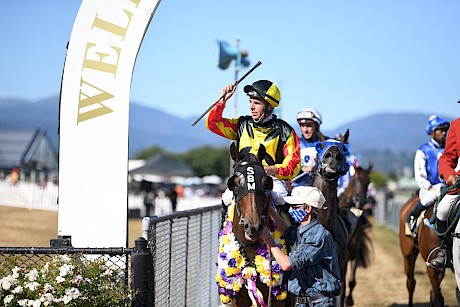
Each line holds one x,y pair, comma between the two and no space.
349,301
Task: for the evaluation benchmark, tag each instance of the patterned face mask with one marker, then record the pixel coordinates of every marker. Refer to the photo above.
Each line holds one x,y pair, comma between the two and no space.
297,215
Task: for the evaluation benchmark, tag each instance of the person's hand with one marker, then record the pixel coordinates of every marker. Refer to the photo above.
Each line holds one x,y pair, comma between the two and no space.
307,169
227,92
266,236
271,170
451,179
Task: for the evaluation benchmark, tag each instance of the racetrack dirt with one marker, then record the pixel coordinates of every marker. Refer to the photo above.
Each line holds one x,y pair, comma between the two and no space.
382,284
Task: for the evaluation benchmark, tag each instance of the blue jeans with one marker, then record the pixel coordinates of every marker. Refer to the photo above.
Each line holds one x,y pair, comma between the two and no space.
321,302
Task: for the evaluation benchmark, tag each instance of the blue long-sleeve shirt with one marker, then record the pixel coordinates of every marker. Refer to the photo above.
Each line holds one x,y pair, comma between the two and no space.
314,261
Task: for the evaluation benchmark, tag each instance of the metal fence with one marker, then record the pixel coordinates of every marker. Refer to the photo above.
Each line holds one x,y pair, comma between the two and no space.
184,249
388,209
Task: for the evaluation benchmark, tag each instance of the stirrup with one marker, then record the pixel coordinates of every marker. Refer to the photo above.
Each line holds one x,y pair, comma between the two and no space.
429,263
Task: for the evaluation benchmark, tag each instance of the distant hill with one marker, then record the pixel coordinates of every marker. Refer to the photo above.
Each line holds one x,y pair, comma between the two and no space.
389,140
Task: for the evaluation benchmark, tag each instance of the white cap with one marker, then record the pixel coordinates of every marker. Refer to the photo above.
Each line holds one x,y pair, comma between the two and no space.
309,114
306,195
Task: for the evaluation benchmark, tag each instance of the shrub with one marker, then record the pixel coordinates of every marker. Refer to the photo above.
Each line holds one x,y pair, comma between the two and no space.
63,281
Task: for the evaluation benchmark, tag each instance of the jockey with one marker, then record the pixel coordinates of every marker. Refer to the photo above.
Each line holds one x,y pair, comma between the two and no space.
309,120
447,171
426,167
261,127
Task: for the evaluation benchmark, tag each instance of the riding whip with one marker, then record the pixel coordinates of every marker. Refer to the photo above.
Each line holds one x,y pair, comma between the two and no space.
299,176
236,83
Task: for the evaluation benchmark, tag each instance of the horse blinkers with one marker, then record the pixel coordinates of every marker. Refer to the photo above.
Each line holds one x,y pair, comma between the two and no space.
250,179
332,156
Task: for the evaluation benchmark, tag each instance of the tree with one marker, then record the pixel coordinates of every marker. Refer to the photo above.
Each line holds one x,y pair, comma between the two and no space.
148,153
378,179
207,160
204,160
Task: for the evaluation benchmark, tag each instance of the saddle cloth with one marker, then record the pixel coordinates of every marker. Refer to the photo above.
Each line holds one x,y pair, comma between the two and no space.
419,221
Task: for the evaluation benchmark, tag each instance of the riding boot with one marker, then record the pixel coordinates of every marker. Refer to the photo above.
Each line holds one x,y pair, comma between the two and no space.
440,261
413,216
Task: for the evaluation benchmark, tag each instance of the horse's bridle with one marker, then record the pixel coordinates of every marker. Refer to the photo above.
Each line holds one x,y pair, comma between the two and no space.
250,174
322,149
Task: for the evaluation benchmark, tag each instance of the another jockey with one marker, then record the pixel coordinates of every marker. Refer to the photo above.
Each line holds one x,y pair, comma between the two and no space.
261,127
426,167
447,165
309,120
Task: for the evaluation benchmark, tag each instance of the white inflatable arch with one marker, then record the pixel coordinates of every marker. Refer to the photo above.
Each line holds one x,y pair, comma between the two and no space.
93,120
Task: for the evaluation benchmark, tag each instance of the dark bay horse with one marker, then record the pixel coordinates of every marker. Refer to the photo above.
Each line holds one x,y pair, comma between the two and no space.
331,165
360,244
242,275
425,243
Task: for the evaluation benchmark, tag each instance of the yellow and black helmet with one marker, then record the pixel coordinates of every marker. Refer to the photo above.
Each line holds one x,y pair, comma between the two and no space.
266,90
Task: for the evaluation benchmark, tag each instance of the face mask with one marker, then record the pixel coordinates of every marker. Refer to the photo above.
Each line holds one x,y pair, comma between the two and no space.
297,215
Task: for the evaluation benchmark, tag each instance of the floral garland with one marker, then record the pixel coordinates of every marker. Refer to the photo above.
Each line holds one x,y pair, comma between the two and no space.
233,270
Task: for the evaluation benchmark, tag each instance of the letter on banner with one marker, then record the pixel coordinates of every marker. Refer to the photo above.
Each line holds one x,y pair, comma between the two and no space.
94,114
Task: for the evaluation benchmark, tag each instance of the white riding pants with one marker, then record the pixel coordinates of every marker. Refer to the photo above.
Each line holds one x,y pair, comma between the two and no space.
442,212
427,198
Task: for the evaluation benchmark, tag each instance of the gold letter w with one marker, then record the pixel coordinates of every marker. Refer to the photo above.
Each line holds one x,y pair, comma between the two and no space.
97,108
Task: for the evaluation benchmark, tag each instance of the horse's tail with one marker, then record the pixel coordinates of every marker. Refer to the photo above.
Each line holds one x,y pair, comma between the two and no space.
365,251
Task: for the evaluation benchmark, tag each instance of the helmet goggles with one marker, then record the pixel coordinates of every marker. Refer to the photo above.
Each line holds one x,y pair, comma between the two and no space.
303,116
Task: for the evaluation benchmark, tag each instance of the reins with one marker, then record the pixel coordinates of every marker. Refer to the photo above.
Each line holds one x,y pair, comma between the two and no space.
451,227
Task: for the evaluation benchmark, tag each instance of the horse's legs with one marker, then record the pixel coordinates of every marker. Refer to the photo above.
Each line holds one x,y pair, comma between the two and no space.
343,263
351,282
436,277
409,265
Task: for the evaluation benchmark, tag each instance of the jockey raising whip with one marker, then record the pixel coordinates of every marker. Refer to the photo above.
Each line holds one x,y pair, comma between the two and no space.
236,83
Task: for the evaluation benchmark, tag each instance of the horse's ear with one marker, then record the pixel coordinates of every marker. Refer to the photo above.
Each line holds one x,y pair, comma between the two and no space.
344,138
261,152
369,168
268,183
234,151
231,183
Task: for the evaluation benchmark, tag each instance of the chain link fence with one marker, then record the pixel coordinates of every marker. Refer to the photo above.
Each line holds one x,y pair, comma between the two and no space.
184,250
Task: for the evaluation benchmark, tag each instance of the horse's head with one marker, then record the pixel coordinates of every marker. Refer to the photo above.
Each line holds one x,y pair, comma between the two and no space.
356,192
332,157
249,184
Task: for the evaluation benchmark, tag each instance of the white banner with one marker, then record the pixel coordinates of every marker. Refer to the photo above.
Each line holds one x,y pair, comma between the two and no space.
94,114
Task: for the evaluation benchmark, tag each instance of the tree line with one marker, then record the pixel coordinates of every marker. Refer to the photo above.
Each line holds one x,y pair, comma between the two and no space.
207,160
204,161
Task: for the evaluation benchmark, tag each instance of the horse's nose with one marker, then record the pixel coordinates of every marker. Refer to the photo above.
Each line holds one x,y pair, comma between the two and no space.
253,228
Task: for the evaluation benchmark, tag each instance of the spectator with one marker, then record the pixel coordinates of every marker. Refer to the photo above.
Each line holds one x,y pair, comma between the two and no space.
149,202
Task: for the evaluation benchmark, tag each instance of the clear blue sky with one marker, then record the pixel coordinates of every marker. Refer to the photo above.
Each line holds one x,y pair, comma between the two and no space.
349,59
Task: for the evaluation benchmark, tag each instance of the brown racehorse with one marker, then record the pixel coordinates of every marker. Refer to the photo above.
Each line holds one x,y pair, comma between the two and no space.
425,242
360,244
250,185
331,160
